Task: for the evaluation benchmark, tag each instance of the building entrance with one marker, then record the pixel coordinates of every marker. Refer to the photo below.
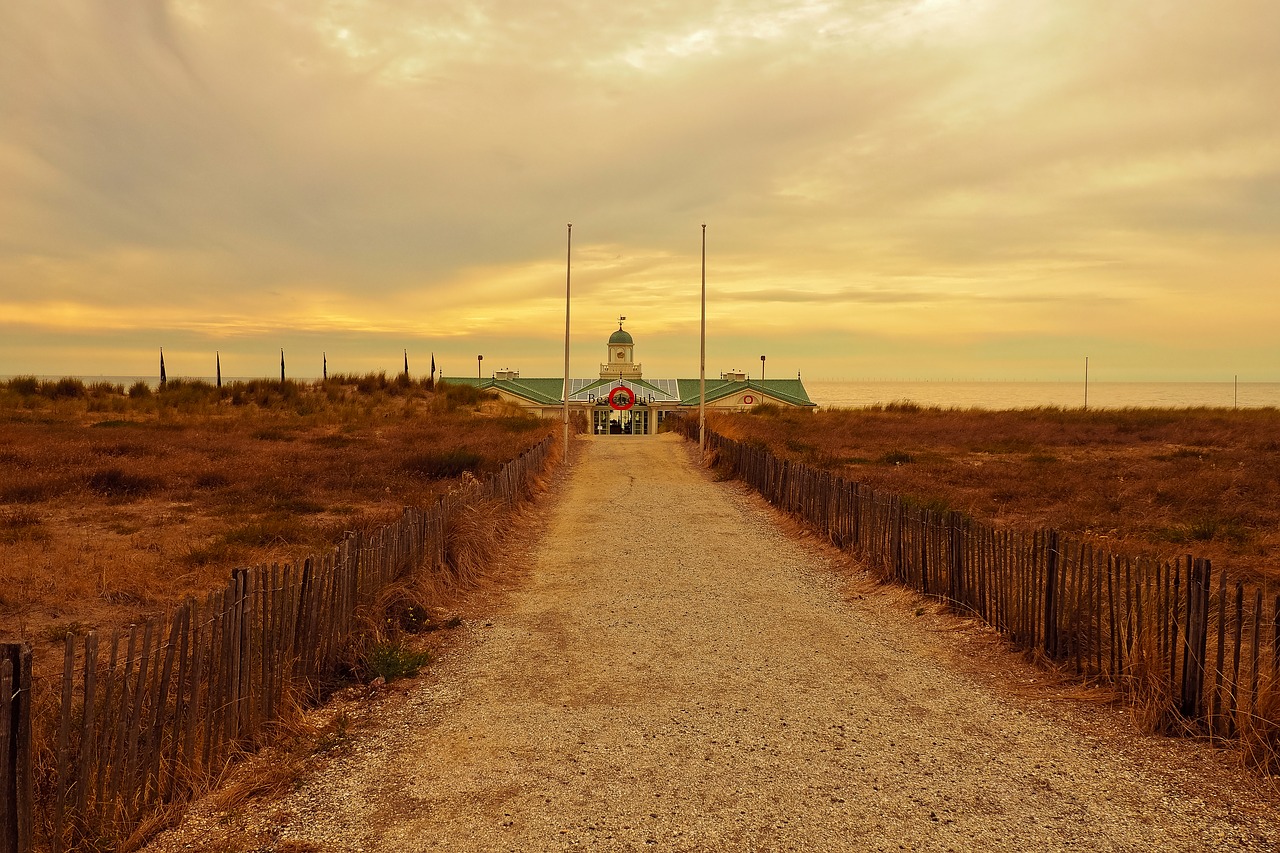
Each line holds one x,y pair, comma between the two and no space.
633,421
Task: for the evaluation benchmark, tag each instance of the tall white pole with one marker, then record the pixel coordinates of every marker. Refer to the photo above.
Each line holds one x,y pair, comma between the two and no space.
568,257
702,364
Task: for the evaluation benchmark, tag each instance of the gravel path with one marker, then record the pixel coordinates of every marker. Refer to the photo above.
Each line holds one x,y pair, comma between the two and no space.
676,673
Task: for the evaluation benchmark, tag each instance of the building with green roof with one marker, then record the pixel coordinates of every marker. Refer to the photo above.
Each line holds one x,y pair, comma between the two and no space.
621,401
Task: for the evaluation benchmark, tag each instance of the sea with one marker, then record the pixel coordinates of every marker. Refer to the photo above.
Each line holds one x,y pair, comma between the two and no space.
968,394
959,394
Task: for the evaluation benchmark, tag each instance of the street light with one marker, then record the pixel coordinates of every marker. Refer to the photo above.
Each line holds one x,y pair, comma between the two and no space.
761,368
479,359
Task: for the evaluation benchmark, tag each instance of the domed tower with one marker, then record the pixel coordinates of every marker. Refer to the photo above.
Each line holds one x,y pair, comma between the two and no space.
621,360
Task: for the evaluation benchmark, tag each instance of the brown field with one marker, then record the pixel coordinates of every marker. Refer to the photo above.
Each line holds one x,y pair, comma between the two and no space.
1141,482
116,504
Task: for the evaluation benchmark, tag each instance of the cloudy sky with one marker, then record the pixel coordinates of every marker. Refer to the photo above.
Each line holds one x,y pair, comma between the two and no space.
945,189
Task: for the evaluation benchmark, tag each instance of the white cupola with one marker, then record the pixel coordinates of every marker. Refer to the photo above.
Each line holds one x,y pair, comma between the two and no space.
621,355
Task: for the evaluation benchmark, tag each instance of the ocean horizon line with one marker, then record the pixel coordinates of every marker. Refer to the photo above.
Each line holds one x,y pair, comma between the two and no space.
933,393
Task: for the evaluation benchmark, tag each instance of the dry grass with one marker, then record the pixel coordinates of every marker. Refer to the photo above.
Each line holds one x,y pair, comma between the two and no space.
1143,482
116,504
1154,483
1260,734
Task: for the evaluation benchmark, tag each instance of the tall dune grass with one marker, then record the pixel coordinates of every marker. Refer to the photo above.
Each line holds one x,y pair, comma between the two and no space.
1153,482
115,503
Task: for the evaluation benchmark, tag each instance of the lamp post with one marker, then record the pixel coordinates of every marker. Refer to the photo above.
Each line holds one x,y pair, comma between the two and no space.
479,359
761,368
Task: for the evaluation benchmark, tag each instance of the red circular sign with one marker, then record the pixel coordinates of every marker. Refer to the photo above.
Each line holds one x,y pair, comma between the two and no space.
748,400
621,398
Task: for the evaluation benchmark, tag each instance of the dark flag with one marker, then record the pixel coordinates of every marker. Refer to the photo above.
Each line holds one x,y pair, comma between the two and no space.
406,364
325,356
163,378
432,382
218,358
281,365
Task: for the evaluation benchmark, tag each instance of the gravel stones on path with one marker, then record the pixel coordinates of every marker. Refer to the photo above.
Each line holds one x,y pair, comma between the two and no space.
674,672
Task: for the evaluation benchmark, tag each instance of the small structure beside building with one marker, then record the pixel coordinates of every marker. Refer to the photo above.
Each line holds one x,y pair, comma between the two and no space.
620,401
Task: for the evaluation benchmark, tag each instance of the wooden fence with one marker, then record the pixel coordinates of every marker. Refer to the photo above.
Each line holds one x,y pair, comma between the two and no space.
151,713
1201,651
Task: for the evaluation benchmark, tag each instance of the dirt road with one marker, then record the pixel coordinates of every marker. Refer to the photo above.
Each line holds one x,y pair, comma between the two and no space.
675,673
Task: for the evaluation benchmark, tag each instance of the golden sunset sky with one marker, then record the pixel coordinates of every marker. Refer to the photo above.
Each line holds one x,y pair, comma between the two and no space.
942,189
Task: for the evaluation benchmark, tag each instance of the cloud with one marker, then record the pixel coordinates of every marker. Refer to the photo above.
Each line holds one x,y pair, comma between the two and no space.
410,166
903,296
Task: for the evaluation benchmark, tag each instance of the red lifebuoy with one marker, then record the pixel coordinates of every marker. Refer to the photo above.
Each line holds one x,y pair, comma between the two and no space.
748,400
621,398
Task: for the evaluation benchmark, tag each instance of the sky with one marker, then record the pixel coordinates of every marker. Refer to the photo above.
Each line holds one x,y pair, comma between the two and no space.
891,189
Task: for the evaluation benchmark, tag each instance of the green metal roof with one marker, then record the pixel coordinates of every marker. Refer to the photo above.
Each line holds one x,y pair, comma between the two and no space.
787,390
635,384
548,392
622,336
544,392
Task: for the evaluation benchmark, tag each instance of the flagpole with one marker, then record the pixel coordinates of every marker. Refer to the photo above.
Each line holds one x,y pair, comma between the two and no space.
1086,383
568,258
702,365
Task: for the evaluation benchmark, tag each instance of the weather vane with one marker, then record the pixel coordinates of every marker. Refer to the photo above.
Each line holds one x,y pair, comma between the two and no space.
620,319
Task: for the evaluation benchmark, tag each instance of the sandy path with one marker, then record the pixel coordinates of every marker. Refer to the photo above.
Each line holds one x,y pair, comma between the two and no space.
677,674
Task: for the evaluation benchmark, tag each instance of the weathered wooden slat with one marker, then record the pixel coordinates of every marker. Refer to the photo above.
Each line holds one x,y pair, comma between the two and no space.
160,714
1233,690
181,701
1127,629
107,729
65,723
1175,640
134,732
1275,644
1096,608
1215,712
270,642
88,734
1050,629
1255,641
197,710
235,713
215,663
8,757
1202,650
122,728
1187,702
1077,592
